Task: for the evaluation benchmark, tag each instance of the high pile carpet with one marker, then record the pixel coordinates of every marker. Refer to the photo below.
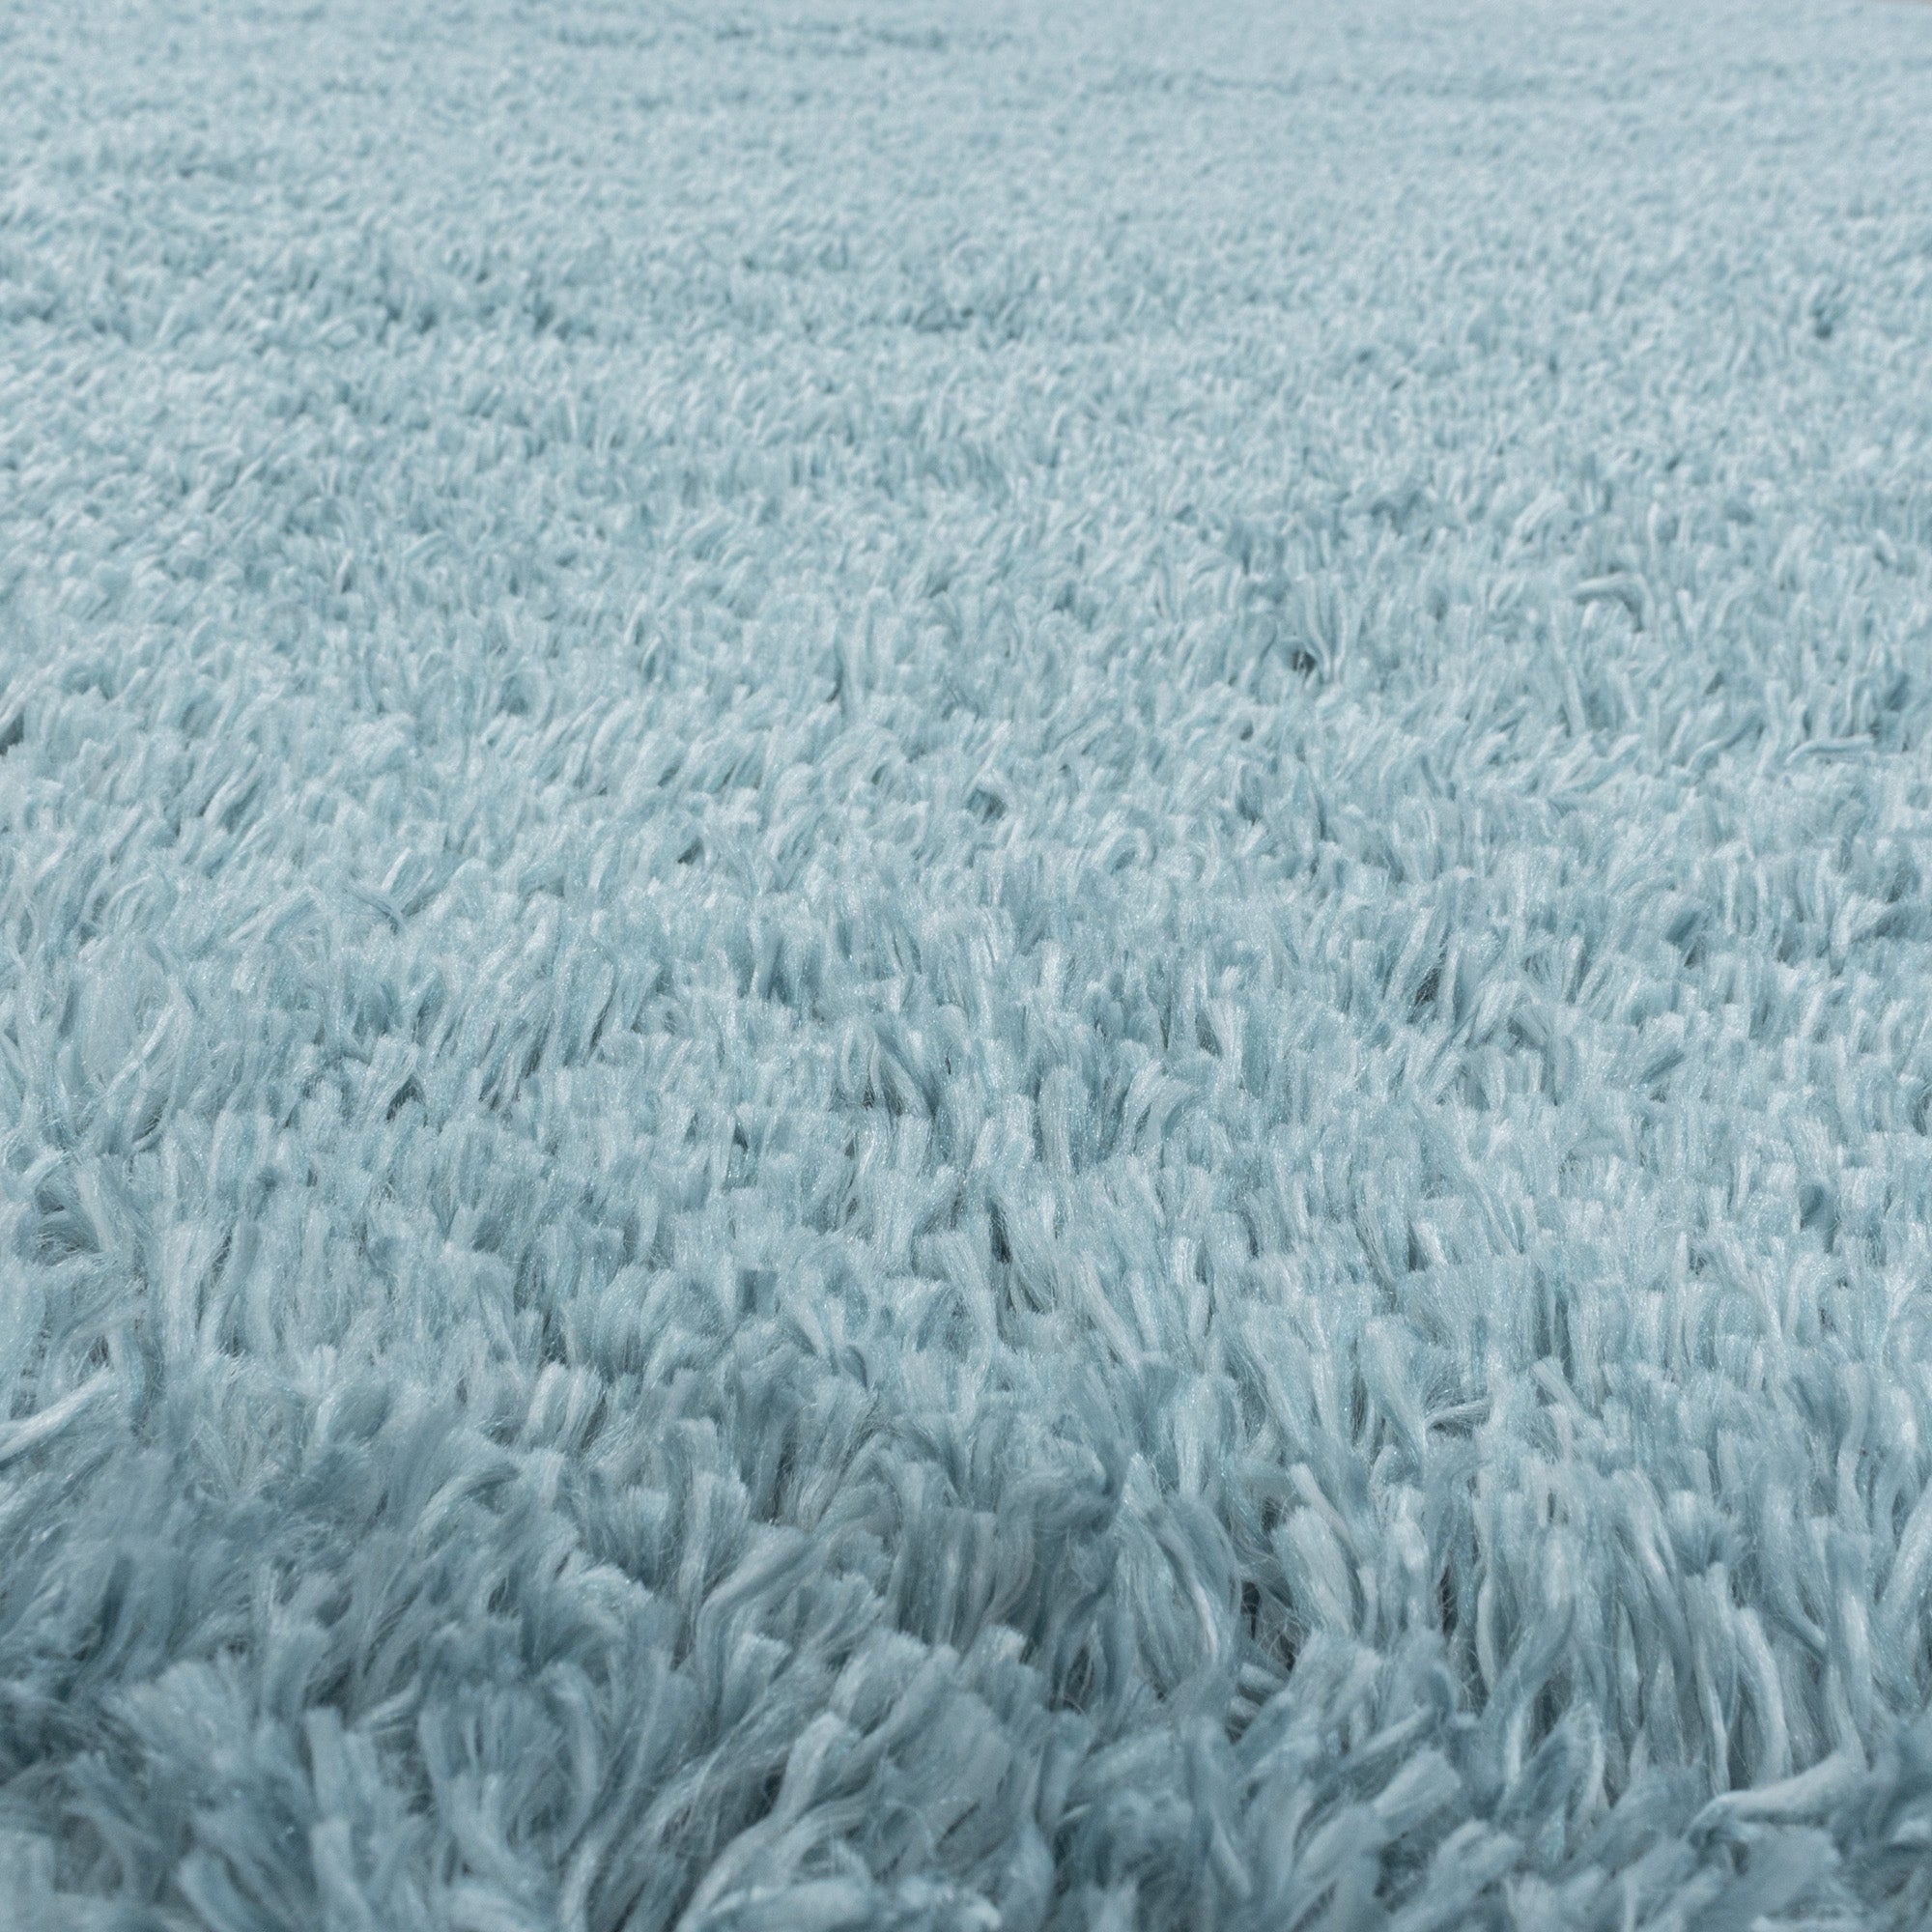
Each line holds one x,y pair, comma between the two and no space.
965,967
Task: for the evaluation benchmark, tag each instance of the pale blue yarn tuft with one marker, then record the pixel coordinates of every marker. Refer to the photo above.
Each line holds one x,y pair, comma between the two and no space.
965,968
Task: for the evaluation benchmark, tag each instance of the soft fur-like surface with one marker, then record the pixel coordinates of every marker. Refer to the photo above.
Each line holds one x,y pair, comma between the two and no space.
965,967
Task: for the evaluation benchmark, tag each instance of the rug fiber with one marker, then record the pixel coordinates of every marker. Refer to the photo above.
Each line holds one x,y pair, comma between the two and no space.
965,968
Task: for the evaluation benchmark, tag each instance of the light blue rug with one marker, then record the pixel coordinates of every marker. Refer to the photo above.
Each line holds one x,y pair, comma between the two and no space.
965,967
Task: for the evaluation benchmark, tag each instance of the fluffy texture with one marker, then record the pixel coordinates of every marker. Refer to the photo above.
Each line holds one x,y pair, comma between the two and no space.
965,968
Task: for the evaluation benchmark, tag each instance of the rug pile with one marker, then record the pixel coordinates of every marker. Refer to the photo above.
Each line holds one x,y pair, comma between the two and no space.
965,968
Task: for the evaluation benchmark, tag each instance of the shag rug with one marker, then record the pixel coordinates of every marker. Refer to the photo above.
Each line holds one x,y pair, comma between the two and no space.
965,967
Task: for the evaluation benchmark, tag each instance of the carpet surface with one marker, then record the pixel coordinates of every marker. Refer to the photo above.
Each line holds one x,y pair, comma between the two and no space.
965,967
